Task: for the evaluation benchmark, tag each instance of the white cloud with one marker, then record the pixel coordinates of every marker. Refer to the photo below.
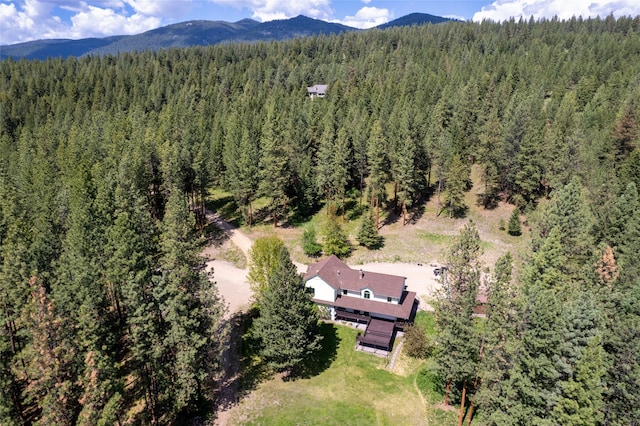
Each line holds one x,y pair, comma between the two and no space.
366,1
97,22
268,10
501,10
33,19
367,17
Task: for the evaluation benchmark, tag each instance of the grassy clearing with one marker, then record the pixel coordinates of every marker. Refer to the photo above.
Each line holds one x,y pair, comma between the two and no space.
354,388
424,239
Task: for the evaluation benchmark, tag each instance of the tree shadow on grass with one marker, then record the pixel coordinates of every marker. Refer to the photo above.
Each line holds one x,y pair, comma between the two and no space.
353,211
253,370
297,216
488,203
227,208
322,359
415,213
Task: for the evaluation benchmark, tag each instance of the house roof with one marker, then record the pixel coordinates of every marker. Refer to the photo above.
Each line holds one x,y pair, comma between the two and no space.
318,88
400,311
338,275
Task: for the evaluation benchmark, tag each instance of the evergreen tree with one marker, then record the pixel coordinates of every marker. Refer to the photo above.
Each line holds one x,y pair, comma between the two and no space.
497,358
581,401
241,159
340,166
274,167
182,294
410,167
515,228
532,382
50,361
568,212
129,266
560,143
456,177
310,245
335,242
324,168
458,340
625,134
368,235
620,295
288,322
621,216
376,155
490,155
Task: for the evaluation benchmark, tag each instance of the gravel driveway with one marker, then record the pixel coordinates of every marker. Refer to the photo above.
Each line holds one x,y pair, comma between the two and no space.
233,286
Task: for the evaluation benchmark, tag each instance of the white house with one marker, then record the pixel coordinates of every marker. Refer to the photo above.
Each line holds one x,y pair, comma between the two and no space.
359,295
317,91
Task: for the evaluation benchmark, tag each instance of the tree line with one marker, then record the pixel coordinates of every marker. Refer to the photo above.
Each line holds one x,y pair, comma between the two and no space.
560,341
105,164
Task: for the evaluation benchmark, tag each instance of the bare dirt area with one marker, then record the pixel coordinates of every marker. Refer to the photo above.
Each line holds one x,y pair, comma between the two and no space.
232,284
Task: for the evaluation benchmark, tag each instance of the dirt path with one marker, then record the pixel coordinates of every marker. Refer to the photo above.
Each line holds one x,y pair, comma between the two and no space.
227,398
243,242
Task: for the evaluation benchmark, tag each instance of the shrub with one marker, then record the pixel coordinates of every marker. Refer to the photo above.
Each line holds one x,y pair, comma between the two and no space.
416,342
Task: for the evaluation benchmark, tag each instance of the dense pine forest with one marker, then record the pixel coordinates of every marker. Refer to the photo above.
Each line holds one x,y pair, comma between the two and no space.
106,163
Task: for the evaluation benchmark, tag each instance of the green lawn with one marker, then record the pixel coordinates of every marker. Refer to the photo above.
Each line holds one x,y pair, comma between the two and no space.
352,388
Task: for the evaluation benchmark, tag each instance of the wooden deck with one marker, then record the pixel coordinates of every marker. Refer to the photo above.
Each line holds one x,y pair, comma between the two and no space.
379,334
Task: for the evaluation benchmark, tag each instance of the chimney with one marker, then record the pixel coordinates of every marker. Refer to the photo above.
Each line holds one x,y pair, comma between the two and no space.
361,274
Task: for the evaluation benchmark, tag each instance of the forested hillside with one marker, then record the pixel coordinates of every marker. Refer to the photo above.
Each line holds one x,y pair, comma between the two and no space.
104,160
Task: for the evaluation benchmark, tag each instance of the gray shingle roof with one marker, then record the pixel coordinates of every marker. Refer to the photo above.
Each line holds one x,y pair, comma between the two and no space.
338,275
318,88
401,311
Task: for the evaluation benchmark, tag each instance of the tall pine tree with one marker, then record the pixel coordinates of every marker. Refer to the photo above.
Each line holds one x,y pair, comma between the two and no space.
288,322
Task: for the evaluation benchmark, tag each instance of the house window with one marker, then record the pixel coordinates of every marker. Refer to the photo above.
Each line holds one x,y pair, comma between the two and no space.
388,299
344,292
367,294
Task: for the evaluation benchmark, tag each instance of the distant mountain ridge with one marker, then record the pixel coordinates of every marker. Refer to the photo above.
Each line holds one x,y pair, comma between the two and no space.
196,33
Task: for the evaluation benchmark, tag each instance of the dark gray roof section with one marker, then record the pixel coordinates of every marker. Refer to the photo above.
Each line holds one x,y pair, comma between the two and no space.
400,311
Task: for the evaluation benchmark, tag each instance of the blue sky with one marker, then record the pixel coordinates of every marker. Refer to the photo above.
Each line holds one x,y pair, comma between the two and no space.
26,20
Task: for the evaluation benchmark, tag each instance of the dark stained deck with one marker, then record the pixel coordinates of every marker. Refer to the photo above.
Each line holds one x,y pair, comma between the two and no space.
379,334
351,316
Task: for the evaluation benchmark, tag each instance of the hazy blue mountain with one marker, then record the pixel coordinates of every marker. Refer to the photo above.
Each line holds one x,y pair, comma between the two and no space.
194,33
184,34
41,49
